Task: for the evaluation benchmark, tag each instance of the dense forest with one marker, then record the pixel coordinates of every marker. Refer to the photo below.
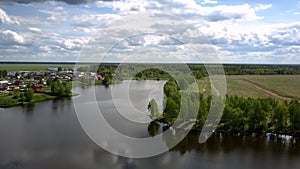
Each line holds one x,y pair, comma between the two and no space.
241,115
159,71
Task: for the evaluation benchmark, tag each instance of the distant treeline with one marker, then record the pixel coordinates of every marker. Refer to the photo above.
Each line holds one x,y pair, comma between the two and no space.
198,69
262,69
159,71
241,115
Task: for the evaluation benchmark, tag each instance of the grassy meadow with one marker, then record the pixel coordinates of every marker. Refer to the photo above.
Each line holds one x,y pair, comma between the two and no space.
250,86
283,85
32,67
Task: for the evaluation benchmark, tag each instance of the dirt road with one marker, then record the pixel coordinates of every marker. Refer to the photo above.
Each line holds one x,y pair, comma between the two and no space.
268,92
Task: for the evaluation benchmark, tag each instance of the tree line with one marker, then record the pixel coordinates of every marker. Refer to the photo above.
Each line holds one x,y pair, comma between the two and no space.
158,71
61,89
3,73
241,115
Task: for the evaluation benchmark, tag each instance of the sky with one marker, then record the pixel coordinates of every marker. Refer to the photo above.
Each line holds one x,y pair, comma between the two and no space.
239,31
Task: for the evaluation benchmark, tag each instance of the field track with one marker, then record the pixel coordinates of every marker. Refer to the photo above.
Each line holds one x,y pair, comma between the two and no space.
266,91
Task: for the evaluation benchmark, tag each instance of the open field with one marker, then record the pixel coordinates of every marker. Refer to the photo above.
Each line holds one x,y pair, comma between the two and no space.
281,87
32,67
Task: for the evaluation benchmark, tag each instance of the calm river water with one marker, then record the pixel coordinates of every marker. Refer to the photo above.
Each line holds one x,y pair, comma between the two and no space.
48,135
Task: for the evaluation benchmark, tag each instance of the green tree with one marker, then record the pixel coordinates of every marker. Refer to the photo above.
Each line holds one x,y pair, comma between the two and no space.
280,118
28,95
49,82
61,89
202,113
152,106
172,100
17,74
172,109
4,73
107,79
29,76
56,88
153,128
257,119
67,87
85,80
294,112
22,98
15,92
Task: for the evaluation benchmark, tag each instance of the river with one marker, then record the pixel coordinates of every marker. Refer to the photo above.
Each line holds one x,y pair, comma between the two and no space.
48,135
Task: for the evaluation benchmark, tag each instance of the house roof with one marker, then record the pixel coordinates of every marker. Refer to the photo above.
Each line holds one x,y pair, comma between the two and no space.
11,73
52,69
3,81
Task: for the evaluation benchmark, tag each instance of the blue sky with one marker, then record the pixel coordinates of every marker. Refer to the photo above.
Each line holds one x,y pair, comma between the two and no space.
257,31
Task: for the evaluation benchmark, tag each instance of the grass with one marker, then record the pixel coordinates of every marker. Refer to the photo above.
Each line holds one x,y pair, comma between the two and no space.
244,85
42,97
284,85
80,84
236,87
6,99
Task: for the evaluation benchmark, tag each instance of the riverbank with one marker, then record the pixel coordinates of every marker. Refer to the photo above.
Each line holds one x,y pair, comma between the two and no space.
11,99
7,99
195,127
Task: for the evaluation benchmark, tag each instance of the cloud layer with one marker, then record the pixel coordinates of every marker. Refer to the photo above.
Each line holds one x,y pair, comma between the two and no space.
73,2
4,18
57,30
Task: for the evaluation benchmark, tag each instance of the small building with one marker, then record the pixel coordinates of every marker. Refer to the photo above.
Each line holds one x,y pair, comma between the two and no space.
12,88
3,85
11,74
52,69
99,77
38,75
17,82
38,88
24,74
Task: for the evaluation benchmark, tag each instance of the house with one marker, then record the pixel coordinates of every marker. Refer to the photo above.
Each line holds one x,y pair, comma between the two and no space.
11,74
3,85
38,75
17,82
38,88
99,77
52,69
24,74
12,88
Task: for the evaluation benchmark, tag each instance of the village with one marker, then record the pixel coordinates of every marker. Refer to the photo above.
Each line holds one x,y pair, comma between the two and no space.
38,81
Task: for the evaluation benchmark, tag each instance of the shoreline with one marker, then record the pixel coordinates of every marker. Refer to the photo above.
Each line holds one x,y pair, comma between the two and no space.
47,98
197,129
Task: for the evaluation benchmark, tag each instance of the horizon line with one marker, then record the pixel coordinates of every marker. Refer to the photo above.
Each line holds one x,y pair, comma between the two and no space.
190,63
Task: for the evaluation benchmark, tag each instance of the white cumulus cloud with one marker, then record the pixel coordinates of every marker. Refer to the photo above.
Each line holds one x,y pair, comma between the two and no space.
189,9
11,37
209,2
74,43
263,7
4,18
35,30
